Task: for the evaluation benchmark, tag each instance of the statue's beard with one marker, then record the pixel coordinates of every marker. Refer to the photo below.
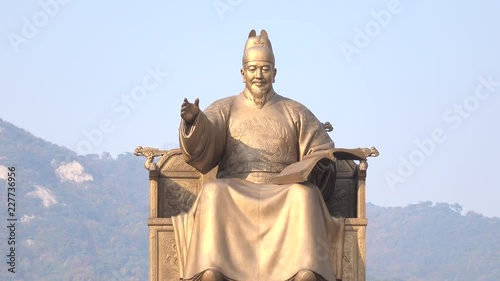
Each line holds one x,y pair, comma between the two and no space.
259,95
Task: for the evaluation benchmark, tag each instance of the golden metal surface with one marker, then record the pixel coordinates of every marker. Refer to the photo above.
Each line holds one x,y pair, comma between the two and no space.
241,226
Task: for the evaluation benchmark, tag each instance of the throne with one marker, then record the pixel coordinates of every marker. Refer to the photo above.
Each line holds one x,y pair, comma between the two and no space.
174,185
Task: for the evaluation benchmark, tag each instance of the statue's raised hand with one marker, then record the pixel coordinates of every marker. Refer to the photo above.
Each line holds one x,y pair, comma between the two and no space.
190,111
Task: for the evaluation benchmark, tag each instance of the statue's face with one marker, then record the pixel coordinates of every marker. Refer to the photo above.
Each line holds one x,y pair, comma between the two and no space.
258,77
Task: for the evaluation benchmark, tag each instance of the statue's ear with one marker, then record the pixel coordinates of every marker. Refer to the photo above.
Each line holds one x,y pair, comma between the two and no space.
242,72
263,33
252,33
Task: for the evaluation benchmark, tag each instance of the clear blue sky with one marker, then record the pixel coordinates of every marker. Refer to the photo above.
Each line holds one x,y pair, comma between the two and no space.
420,80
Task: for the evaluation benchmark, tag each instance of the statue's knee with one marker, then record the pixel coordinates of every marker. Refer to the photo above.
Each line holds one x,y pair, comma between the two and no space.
301,192
305,275
211,275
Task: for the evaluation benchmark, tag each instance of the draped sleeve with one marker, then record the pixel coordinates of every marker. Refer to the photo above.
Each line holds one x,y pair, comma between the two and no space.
203,143
312,138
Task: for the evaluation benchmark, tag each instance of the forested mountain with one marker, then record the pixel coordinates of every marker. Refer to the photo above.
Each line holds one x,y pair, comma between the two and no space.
79,217
84,218
429,241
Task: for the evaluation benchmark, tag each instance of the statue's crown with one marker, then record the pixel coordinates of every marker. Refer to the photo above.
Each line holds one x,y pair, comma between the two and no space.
258,47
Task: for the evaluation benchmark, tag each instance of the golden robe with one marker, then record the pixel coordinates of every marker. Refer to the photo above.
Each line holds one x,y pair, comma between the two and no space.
241,224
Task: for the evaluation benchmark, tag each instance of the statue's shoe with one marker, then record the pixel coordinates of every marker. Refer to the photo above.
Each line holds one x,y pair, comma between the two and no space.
211,275
305,275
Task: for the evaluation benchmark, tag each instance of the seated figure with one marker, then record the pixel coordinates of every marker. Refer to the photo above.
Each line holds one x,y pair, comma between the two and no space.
244,226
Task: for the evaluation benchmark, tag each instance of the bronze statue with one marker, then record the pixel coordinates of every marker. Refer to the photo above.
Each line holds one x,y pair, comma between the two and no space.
243,226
